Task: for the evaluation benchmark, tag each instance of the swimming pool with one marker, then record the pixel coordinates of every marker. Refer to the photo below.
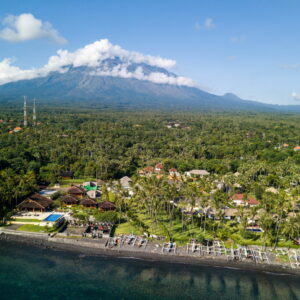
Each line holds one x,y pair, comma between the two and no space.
52,218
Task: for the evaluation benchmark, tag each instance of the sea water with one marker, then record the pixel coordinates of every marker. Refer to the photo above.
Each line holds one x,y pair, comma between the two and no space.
29,272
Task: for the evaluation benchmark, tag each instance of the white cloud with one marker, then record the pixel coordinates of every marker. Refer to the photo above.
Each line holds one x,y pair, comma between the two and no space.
26,27
94,55
156,77
238,39
296,96
207,25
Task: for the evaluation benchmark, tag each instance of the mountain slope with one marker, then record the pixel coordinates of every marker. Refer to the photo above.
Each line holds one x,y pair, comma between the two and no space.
85,86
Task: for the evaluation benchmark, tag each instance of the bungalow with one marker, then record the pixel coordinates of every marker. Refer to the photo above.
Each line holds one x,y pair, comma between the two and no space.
230,213
107,206
88,202
76,191
272,190
126,182
17,129
35,202
174,173
241,200
69,200
197,173
159,168
297,148
146,171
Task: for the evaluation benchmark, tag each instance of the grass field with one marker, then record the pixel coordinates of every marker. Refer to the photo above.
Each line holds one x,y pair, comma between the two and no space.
36,228
127,228
25,220
68,182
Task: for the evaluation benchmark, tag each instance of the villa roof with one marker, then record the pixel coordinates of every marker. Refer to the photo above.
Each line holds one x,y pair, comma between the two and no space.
107,205
230,212
88,202
30,204
35,201
147,169
44,201
69,199
241,197
159,166
172,170
76,190
198,172
125,179
272,190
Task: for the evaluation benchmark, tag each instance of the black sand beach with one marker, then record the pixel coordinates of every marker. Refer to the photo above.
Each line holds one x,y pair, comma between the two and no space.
97,248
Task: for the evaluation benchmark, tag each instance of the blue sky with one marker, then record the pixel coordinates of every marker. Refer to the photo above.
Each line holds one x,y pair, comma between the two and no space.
250,48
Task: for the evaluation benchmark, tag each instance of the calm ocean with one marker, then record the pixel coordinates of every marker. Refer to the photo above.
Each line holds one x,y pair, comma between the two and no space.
34,273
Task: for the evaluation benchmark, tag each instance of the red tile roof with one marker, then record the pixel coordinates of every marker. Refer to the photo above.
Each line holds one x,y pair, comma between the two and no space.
241,197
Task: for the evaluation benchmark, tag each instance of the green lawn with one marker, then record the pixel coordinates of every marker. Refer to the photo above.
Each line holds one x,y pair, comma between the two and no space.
68,182
36,228
25,220
127,228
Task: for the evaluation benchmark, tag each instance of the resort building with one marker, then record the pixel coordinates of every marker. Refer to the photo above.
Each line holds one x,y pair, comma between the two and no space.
197,173
17,129
243,200
69,200
146,171
35,202
159,168
107,206
76,191
126,182
230,213
88,202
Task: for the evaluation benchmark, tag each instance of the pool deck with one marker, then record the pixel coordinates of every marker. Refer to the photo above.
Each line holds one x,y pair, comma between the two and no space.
39,216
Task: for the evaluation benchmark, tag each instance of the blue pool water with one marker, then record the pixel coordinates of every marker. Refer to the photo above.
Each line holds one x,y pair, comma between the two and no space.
53,218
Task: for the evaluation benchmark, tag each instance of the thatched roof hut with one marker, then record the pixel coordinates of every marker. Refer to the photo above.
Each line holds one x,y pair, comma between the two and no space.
76,191
35,202
69,200
107,205
88,202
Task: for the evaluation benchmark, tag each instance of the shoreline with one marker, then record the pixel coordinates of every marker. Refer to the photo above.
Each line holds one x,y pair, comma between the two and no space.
98,249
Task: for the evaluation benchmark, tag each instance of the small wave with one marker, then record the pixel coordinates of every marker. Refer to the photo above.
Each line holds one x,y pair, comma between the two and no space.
232,268
278,274
129,257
